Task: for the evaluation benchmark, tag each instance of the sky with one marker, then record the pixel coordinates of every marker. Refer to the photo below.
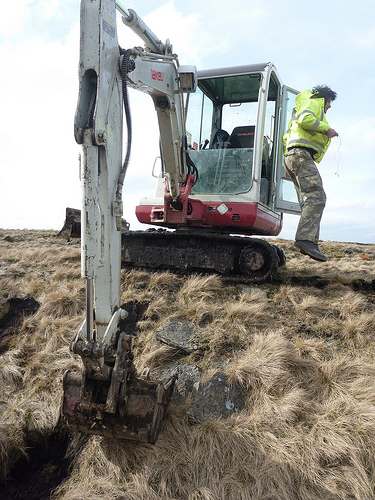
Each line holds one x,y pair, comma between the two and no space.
330,43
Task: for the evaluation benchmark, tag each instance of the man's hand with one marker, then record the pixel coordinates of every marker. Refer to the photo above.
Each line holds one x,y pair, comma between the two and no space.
331,133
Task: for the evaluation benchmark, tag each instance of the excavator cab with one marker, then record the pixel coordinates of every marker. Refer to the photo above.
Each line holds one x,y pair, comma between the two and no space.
235,122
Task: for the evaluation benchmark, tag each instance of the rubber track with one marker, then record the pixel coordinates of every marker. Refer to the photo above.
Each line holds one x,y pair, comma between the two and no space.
252,259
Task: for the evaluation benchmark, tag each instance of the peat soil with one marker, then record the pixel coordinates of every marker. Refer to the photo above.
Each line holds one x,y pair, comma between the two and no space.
36,476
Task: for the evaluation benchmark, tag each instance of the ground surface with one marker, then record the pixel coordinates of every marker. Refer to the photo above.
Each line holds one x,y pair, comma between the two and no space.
301,347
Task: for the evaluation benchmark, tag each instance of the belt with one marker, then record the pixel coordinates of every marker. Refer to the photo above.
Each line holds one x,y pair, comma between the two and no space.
309,150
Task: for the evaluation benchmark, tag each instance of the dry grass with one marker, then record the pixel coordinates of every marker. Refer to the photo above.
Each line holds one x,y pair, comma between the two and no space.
301,346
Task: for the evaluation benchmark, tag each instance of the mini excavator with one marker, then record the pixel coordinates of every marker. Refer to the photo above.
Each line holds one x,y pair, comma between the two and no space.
222,180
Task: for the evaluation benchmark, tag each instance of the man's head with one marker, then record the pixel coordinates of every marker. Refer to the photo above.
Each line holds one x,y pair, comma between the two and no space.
328,95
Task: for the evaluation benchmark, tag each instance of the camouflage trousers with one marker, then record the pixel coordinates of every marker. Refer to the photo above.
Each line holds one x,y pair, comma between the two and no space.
312,198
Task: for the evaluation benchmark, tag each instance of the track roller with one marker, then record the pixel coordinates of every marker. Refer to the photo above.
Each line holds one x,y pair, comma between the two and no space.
259,260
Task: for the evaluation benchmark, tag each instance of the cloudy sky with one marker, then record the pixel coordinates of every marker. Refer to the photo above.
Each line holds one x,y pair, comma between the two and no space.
310,43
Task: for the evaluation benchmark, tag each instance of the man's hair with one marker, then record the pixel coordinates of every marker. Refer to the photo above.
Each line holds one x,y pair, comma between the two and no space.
323,91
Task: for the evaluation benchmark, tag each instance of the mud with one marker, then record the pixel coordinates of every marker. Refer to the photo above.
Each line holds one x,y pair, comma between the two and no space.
34,477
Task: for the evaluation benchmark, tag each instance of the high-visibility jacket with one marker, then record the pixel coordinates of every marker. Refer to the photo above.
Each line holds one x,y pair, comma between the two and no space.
308,125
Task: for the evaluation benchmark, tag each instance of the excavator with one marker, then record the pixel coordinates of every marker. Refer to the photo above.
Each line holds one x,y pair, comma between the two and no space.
221,181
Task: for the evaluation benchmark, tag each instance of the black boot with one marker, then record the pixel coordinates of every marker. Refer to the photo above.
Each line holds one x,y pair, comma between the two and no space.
311,249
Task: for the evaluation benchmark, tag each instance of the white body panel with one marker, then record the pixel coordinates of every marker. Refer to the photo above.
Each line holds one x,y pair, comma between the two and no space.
98,127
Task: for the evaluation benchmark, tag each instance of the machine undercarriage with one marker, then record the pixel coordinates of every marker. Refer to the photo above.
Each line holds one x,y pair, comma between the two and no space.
201,251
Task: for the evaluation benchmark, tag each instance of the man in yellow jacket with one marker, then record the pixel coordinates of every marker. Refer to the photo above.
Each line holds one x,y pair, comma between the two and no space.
306,141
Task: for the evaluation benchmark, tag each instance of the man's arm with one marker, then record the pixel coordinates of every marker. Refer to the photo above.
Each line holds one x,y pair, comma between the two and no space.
308,118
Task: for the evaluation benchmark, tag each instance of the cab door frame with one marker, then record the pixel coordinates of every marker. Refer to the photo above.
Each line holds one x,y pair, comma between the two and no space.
286,195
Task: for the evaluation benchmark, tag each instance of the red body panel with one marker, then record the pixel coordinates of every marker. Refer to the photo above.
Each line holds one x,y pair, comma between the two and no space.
236,218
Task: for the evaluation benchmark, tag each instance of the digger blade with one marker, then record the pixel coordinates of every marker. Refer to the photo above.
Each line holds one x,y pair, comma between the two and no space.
138,417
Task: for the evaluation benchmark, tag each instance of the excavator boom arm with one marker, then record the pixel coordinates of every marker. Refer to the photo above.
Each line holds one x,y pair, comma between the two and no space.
108,398
160,76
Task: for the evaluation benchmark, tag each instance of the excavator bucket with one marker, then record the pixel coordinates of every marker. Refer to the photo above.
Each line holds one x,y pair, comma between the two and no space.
72,224
139,414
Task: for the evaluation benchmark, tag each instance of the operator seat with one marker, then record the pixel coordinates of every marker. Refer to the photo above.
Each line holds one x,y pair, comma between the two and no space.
242,137
219,139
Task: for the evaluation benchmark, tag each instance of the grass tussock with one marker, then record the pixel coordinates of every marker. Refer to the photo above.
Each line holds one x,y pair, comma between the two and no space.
301,347
249,309
59,304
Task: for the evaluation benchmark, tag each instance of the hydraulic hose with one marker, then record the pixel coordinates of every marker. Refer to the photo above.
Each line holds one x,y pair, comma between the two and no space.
125,97
191,168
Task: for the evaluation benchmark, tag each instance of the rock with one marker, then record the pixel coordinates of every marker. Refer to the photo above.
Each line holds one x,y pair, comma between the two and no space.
179,334
188,376
216,398
205,319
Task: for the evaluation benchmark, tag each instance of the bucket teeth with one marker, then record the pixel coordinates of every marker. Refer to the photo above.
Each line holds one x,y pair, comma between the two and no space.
138,417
